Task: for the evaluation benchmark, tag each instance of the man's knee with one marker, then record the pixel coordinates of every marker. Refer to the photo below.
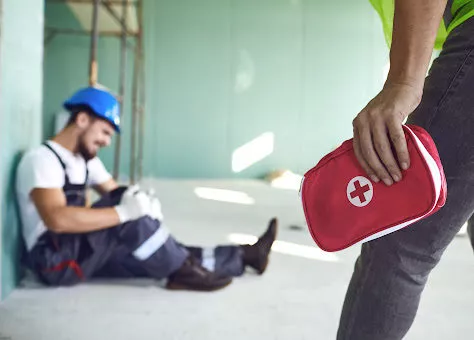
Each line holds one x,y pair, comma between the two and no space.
145,222
394,259
144,232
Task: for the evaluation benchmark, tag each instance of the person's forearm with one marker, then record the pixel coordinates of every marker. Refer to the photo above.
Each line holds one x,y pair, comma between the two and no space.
415,28
81,220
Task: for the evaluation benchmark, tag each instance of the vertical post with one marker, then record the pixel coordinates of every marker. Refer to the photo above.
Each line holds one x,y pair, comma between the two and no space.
1,170
133,139
122,80
93,67
141,117
141,127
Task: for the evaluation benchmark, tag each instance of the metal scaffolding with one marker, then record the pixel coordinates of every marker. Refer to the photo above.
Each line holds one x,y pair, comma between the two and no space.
124,31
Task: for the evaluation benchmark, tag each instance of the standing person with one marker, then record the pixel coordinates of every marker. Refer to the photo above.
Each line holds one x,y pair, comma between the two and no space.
391,272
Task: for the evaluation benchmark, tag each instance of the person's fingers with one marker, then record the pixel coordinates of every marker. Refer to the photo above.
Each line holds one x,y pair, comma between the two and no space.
384,150
143,202
397,136
360,158
369,154
132,190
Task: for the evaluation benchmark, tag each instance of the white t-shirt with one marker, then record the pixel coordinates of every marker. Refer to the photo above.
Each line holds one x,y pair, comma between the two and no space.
40,168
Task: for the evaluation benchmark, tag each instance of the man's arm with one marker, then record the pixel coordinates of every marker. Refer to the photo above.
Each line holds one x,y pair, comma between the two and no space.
59,218
100,179
415,27
379,124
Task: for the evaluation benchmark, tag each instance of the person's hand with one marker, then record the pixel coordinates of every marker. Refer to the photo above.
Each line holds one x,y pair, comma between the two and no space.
378,128
133,205
156,212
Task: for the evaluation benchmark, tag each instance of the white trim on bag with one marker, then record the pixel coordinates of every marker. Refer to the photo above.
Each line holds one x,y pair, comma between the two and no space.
435,173
300,192
152,244
436,176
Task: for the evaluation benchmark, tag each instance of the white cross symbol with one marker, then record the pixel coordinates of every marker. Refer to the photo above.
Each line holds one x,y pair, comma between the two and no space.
360,191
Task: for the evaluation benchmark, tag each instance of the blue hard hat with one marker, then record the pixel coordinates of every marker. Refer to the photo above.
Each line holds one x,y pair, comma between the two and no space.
102,104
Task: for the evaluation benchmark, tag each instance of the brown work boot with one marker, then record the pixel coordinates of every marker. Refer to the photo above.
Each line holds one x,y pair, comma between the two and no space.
193,276
256,255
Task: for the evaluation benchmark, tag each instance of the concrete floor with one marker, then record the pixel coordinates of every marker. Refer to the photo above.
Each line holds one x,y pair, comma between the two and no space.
299,297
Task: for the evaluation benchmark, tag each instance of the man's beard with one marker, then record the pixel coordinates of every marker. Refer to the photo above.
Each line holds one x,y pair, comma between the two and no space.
84,151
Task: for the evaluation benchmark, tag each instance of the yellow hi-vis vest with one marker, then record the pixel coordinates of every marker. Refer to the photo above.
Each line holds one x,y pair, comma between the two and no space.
461,10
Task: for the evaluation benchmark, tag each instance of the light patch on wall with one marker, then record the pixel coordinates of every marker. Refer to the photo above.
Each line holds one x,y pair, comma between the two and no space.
222,195
245,72
288,248
253,151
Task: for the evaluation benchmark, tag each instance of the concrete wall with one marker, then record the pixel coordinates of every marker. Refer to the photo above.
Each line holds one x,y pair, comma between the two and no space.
21,71
222,73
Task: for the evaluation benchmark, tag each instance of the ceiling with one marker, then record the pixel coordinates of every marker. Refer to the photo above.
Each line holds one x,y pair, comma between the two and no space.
106,22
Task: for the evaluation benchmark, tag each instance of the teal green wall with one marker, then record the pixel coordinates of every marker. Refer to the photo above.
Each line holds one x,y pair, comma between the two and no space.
314,64
21,55
219,73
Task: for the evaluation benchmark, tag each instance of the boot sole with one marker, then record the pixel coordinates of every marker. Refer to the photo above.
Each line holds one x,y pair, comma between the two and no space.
177,286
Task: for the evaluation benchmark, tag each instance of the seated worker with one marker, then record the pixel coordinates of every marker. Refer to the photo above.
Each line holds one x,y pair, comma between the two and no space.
122,235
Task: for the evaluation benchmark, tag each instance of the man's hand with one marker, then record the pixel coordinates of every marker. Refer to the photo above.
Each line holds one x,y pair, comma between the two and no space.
133,205
378,128
136,203
156,212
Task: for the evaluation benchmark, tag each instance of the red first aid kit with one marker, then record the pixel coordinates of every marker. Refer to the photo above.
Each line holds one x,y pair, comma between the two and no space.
343,206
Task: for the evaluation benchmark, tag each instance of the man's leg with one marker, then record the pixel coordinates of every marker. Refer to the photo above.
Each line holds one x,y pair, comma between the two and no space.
231,260
146,249
143,247
55,259
225,260
66,259
204,268
391,272
146,240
